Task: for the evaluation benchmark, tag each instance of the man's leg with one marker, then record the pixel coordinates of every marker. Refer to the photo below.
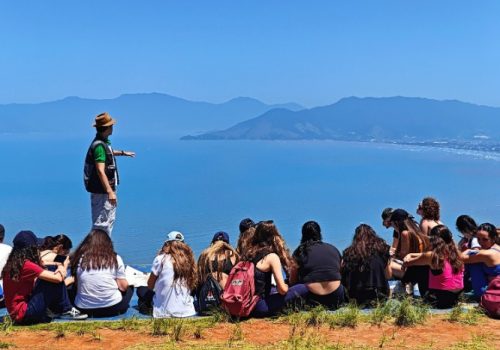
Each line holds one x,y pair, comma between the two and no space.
103,212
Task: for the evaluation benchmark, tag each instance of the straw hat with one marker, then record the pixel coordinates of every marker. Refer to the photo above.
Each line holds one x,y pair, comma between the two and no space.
104,119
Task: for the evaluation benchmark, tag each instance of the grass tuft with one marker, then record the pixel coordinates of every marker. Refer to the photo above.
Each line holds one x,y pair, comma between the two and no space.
410,313
348,316
459,314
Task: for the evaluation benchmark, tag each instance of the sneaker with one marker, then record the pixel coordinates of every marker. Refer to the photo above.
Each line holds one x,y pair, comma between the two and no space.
73,314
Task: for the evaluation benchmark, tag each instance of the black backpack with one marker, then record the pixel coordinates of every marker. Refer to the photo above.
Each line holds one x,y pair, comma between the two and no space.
208,295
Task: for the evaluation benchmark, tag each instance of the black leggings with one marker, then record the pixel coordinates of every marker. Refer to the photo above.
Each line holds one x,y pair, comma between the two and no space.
331,301
441,299
113,310
420,275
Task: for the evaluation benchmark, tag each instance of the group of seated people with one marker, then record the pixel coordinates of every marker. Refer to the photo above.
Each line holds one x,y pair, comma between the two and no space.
42,280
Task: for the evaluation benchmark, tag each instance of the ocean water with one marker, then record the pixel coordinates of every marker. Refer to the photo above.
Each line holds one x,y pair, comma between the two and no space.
200,187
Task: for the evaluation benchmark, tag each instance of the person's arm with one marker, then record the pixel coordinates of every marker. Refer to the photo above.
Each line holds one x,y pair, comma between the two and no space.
105,182
275,264
124,153
420,259
294,275
424,226
122,284
405,243
482,256
54,277
120,276
152,280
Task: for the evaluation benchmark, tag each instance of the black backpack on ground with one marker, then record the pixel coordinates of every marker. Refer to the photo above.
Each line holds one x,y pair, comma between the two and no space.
208,295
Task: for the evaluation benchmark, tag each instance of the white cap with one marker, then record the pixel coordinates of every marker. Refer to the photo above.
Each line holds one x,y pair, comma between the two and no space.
175,236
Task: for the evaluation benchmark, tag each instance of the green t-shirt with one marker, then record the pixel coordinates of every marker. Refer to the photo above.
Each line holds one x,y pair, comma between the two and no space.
100,153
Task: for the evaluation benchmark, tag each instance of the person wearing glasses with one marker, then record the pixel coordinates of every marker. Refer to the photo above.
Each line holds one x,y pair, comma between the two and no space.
484,265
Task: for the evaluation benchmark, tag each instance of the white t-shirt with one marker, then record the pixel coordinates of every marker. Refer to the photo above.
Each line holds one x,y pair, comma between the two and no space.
98,288
170,300
4,255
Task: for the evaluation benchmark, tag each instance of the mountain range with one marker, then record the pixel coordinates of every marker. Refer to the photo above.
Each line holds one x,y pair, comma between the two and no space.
388,119
151,113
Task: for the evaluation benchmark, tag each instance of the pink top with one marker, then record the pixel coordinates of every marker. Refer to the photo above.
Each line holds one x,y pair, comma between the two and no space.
447,280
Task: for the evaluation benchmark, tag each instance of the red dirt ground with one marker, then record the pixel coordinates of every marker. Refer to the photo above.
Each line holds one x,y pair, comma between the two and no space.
436,334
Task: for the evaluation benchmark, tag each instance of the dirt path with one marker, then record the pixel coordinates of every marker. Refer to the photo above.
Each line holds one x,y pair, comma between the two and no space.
261,334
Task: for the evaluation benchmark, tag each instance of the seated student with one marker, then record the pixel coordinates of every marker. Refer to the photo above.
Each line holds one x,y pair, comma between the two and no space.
386,222
366,267
410,240
53,246
484,265
268,251
428,209
172,280
319,268
217,260
30,290
247,230
5,250
468,228
446,274
102,289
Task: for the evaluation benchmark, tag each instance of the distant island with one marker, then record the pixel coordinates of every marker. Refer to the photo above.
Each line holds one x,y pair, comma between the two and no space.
402,120
143,113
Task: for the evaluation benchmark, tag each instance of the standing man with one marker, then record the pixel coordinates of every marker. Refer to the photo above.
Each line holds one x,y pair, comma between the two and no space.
101,174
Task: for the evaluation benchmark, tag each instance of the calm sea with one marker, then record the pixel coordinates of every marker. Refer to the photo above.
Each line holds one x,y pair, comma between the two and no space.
200,187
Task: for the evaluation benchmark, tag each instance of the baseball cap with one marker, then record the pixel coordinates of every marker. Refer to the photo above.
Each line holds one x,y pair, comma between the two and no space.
26,239
245,224
220,236
175,236
399,215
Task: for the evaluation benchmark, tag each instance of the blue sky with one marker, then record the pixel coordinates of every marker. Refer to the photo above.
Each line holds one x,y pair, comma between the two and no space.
310,52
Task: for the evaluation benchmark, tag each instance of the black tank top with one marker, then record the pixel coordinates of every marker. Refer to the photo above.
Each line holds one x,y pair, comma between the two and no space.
226,267
262,279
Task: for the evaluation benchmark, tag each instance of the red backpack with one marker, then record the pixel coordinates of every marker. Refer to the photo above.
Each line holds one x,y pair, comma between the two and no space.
490,301
239,297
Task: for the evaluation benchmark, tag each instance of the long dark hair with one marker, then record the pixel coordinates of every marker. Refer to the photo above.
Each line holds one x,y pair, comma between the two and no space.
183,262
17,258
466,224
267,240
96,252
418,241
365,244
311,234
444,248
50,242
245,239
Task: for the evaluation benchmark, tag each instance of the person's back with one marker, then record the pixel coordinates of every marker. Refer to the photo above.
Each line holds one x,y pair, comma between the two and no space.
171,298
446,278
321,262
97,288
365,267
4,250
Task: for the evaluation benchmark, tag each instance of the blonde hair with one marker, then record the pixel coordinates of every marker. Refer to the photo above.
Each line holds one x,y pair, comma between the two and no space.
216,250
